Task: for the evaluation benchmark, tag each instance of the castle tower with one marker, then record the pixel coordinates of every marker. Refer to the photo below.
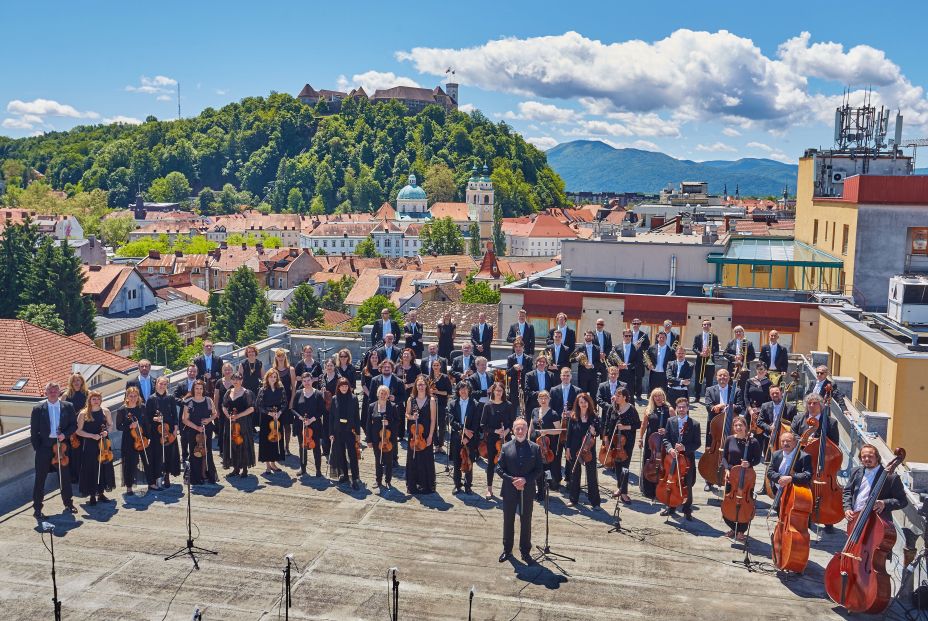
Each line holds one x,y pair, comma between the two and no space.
452,89
480,201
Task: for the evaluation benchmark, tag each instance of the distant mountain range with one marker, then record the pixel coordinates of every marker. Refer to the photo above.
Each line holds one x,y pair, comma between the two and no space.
595,166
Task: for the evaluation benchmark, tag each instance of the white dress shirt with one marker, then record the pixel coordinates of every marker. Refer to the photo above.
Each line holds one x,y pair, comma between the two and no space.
866,487
54,418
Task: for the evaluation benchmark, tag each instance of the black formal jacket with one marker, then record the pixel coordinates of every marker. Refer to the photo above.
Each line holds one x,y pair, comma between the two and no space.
604,396
350,414
765,420
782,361
215,369
669,356
562,360
414,337
134,383
476,390
486,342
685,374
471,418
528,338
314,369
397,389
635,355
824,388
181,392
393,417
519,460
40,426
731,352
713,349
527,365
394,356
457,367
691,438
558,397
673,339
645,344
532,388
892,493
581,349
714,397
425,367
377,332
607,340
570,337
802,471
800,426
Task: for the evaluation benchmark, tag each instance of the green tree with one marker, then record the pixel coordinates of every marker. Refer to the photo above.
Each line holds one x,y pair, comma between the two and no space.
295,202
269,241
140,247
257,321
208,204
473,243
499,239
13,172
479,293
441,236
439,183
190,352
335,293
17,247
369,311
172,188
198,244
115,230
159,342
42,315
367,248
241,293
304,308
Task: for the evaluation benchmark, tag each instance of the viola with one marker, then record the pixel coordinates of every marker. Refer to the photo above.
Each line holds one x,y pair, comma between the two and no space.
671,489
105,454
164,430
386,445
60,456
827,493
139,441
544,443
710,464
789,542
417,436
75,440
273,429
309,442
738,504
614,450
856,577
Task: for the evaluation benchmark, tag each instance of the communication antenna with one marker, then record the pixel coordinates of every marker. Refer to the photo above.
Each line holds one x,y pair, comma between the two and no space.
178,101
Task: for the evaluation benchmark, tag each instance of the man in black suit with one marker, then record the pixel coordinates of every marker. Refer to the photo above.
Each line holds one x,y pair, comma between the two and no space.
464,415
481,381
519,467
52,422
630,359
774,355
568,336
464,365
679,376
143,381
774,414
397,393
673,337
587,372
389,351
518,364
384,326
859,487
558,353
778,474
536,381
525,330
564,394
413,332
606,391
481,336
705,346
682,435
661,354
209,365
722,398
821,380
814,405
737,347
602,337
425,366
642,343
186,385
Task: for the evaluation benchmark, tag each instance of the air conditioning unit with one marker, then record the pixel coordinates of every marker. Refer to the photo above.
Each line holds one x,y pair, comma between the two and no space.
837,177
908,299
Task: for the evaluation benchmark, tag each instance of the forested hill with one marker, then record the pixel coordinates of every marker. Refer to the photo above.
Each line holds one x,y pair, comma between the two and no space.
295,158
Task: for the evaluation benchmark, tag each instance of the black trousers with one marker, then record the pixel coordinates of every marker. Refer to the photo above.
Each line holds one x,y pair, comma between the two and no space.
440,423
43,465
383,463
621,474
491,458
702,380
344,445
512,499
455,456
592,481
304,455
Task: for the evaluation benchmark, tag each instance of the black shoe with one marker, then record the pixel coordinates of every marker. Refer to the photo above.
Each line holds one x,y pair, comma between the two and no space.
236,472
355,485
457,490
70,508
343,479
668,511
93,501
244,474
504,557
37,514
103,498
468,491
318,474
688,516
527,558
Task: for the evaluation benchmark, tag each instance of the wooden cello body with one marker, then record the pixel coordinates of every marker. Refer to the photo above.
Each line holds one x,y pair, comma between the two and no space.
856,577
671,489
710,464
738,503
827,493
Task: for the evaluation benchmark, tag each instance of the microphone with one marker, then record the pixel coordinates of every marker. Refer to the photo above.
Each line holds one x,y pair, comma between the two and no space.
197,615
186,467
473,591
48,527
289,556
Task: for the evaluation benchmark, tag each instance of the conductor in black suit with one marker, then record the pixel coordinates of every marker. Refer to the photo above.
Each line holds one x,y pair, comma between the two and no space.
481,336
524,329
519,467
384,326
52,421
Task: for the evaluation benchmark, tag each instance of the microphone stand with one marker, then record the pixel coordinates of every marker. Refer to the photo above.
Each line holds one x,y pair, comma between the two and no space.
287,600
545,553
190,549
470,602
617,526
48,527
396,593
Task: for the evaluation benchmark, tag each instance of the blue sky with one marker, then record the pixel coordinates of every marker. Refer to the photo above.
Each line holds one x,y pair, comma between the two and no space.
698,80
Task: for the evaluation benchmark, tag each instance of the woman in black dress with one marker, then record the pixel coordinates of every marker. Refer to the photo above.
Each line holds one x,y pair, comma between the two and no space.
345,369
288,380
197,419
546,421
407,370
344,430
271,403
328,381
622,419
76,395
756,390
238,406
219,396
132,416
495,424
441,388
369,372
161,407
308,409
420,463
582,430
383,415
252,371
739,449
446,333
93,425
656,415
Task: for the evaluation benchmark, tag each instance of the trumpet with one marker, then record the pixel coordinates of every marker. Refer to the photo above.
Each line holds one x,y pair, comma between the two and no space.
648,362
640,341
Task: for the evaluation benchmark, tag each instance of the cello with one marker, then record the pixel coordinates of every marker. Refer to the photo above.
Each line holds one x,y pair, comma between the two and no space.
789,542
856,577
654,466
710,464
738,503
671,489
827,493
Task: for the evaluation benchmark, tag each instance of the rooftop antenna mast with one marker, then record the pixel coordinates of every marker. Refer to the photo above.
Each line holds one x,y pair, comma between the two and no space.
178,101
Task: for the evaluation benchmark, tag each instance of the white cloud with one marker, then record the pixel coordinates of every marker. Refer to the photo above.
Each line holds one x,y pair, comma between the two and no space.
542,112
467,108
542,142
126,120
221,91
157,85
164,98
731,132
861,64
760,146
372,80
716,147
47,107
16,123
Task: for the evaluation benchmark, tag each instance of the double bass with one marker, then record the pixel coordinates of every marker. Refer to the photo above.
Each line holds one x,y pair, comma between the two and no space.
827,493
789,542
710,464
856,577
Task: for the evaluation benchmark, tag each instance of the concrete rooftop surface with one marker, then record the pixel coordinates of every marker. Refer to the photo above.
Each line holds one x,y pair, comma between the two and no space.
110,558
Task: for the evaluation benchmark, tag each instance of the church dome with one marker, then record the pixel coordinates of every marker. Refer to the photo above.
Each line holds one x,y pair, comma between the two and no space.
411,192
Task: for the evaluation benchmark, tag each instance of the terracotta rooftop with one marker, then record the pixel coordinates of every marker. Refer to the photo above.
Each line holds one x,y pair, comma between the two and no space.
105,281
251,220
333,318
463,263
341,229
749,227
455,211
539,225
463,315
386,211
368,284
408,92
39,356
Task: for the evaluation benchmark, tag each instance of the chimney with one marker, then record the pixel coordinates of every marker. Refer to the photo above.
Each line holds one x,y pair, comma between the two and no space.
94,268
260,248
92,239
294,252
679,225
154,254
178,253
454,267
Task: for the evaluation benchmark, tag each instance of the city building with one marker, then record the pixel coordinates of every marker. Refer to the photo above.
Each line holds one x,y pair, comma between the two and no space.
117,289
117,332
55,226
156,268
414,98
397,285
90,251
691,197
537,235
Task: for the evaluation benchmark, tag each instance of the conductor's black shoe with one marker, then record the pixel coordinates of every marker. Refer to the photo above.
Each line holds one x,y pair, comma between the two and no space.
668,511
504,557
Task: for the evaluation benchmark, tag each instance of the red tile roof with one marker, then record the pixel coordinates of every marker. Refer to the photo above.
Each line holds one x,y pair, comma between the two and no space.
40,356
455,211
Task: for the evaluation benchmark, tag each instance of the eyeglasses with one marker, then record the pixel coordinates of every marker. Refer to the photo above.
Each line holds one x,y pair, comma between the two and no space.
343,355
627,334
820,373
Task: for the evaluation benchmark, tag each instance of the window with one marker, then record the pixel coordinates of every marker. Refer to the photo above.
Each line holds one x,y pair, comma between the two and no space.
862,382
847,232
832,235
151,270
873,392
826,231
760,269
815,232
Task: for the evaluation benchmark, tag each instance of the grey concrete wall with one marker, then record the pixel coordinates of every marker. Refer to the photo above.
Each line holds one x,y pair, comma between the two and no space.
638,260
882,243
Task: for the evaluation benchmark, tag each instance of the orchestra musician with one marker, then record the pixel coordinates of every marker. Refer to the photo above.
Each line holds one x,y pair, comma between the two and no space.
481,336
271,404
480,381
221,386
774,355
545,421
673,337
76,395
447,331
778,474
208,364
413,332
777,409
252,372
287,376
660,354
425,364
185,388
383,415
679,376
603,338
198,416
464,414
463,366
606,391
441,389
345,368
739,449
518,364
756,390
93,424
721,398
739,346
369,370
161,408
308,411
859,485
624,415
630,359
389,351
344,427
408,370
308,364
821,380
143,381
495,424
568,336
564,394
588,363
557,352
52,422
824,420
583,428
422,409
656,415
238,406
682,435
705,346
384,326
519,467
131,416
536,381
642,343
524,330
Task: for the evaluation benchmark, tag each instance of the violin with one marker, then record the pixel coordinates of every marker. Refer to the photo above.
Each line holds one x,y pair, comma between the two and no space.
738,504
386,445
139,441
466,464
855,577
164,430
273,427
755,414
60,456
309,442
827,493
614,450
416,430
671,489
789,542
236,430
75,440
105,454
199,449
357,445
585,454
